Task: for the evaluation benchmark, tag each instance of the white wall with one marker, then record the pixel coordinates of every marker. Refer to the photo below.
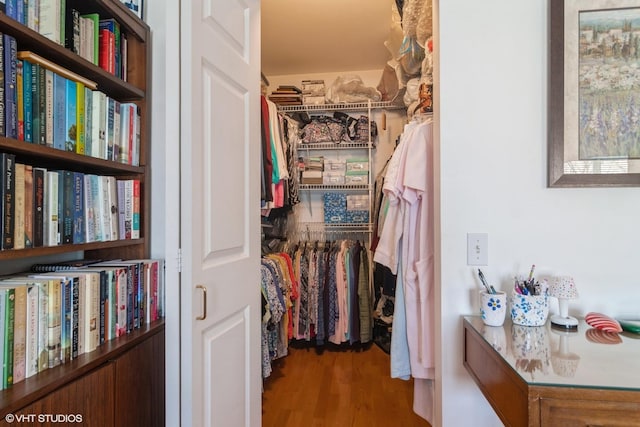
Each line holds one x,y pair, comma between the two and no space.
493,77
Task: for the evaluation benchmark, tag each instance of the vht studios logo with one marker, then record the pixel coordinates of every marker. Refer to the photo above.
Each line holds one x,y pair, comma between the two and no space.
43,418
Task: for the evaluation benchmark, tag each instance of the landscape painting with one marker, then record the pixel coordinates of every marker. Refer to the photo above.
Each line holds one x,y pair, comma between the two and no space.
609,84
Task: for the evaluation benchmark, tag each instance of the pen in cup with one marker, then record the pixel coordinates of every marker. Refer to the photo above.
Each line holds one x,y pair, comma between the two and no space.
489,288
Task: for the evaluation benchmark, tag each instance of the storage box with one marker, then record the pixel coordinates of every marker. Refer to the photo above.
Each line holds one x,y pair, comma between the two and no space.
357,217
334,165
356,165
311,177
335,208
333,178
358,202
313,99
356,179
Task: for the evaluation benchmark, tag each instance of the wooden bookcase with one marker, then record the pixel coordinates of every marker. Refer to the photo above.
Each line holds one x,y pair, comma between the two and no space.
122,382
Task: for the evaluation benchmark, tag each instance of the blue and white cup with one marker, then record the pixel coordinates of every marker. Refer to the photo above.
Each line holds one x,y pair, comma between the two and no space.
529,310
493,308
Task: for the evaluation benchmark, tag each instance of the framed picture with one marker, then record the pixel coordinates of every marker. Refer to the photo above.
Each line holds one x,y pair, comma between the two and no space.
594,93
135,6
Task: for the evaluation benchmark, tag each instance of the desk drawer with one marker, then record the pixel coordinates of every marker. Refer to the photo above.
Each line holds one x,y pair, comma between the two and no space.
588,413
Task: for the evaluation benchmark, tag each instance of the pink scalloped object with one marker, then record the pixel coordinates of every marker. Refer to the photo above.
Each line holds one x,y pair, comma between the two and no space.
602,337
603,322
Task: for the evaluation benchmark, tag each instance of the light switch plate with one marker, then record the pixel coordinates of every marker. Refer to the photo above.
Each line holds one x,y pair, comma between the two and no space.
477,249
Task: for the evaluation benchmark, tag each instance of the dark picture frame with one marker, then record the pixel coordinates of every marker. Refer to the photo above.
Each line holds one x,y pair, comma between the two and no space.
565,166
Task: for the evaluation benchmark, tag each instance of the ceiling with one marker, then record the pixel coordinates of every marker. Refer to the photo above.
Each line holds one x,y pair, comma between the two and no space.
304,36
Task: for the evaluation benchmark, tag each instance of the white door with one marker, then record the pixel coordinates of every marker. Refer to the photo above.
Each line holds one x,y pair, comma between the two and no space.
220,226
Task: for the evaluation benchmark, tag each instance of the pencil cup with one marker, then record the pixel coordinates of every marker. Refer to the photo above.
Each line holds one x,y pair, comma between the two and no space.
493,308
529,310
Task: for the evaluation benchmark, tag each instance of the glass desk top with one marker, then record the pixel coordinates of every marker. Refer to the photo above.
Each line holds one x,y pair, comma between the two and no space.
546,356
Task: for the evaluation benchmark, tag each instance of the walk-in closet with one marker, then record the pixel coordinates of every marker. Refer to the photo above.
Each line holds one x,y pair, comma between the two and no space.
347,213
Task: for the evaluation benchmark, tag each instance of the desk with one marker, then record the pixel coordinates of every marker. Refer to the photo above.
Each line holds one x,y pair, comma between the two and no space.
538,377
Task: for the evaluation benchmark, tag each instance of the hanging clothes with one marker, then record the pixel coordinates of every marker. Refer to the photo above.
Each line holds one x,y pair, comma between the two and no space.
406,247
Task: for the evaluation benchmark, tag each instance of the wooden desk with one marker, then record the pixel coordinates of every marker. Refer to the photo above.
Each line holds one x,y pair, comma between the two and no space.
542,378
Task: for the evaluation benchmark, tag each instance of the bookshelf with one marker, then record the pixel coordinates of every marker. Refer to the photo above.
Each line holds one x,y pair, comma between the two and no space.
123,380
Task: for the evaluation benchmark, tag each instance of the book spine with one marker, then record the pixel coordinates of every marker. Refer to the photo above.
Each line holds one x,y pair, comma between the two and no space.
117,152
96,196
46,110
20,334
11,110
122,296
80,119
28,100
154,290
75,317
121,208
50,19
102,126
90,215
33,15
71,117
105,210
8,187
19,8
128,208
3,127
18,229
54,323
43,326
3,329
7,365
137,308
31,338
88,121
11,8
103,307
20,99
67,194
78,208
66,310
42,105
28,206
72,31
94,310
113,207
51,193
59,112
35,102
135,219
38,207
131,302
81,318
125,124
110,127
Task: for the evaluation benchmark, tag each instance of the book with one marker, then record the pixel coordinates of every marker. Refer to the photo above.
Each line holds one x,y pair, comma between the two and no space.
89,211
121,209
18,230
88,121
98,128
20,99
12,9
19,9
35,102
128,208
86,38
72,31
41,93
33,15
110,45
8,341
43,324
105,208
54,318
51,25
117,153
35,58
96,196
28,206
88,309
19,332
3,127
63,266
51,214
3,330
78,208
31,335
59,112
7,175
10,77
94,34
27,94
47,104
66,197
38,206
123,295
71,124
135,217
80,119
113,208
110,110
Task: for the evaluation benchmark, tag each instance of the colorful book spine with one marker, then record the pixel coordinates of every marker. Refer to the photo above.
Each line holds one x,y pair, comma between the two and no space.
80,119
43,325
88,121
20,99
71,123
78,208
7,176
74,330
3,127
38,206
135,219
27,94
59,112
18,229
54,324
28,206
20,334
7,362
52,218
47,104
66,289
11,109
35,102
89,211
31,338
110,127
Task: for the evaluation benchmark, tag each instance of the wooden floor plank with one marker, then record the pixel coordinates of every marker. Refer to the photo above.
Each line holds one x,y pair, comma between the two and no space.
337,387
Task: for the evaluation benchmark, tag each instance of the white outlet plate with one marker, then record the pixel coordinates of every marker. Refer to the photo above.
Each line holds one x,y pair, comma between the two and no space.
477,249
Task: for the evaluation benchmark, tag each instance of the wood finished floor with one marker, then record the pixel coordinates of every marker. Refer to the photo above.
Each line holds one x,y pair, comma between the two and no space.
337,388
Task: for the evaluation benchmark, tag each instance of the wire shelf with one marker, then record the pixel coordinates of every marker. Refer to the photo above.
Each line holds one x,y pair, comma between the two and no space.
334,146
339,187
388,105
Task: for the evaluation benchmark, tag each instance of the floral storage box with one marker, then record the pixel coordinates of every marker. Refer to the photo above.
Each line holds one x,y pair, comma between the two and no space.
335,208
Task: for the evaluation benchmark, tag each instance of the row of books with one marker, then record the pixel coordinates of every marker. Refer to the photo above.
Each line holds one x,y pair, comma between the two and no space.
51,318
43,207
99,41
45,104
286,95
